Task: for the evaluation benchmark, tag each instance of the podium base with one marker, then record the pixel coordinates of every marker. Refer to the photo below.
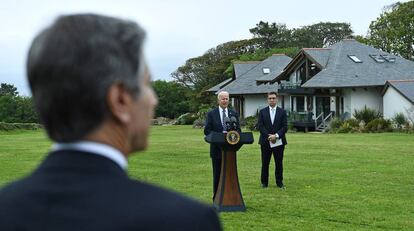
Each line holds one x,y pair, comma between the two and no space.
229,208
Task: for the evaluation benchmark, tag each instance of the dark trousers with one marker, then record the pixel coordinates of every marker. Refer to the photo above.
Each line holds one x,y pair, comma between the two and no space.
266,156
216,174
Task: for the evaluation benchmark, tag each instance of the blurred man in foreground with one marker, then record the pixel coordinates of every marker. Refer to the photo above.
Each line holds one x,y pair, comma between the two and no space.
91,88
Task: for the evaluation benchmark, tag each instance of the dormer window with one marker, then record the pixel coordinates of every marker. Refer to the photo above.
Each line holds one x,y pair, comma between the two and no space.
355,59
266,70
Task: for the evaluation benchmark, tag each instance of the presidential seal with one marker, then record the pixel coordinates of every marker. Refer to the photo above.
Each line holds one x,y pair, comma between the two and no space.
233,137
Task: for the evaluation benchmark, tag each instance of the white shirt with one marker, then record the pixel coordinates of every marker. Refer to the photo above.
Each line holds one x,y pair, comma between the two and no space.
221,113
94,148
272,115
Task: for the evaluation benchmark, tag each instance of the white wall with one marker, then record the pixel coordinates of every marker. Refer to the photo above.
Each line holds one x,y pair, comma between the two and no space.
252,103
394,103
359,97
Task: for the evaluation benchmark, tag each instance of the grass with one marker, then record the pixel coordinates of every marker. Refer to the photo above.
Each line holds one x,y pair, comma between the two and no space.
334,181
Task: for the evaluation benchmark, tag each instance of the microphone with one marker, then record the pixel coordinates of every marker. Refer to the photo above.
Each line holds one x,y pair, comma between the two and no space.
227,122
234,123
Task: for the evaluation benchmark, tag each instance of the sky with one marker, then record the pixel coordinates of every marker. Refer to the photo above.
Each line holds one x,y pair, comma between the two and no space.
177,30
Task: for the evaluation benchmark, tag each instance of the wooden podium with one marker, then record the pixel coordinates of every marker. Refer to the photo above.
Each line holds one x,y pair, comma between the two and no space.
228,196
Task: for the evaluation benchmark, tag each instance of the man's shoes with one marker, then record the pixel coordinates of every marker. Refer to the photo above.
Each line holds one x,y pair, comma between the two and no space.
280,185
264,185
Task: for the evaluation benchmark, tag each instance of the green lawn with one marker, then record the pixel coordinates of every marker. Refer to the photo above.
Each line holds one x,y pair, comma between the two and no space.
333,181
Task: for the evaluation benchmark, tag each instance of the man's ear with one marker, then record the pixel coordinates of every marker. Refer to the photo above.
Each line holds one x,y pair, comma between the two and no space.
119,101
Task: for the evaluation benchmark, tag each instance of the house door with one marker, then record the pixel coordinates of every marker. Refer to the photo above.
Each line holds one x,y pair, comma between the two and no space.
323,105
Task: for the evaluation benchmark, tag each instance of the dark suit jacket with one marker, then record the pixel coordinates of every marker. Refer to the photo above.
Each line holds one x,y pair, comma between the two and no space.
266,127
73,190
213,124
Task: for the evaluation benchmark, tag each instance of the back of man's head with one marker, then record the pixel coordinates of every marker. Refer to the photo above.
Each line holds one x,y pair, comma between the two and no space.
71,65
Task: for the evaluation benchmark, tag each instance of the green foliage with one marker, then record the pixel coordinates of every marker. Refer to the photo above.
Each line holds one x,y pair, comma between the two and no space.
271,35
19,126
367,114
321,34
250,123
399,120
8,89
317,35
174,99
186,119
335,124
393,30
379,125
17,109
349,125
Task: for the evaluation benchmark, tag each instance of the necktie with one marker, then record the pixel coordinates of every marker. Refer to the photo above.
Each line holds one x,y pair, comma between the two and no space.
224,116
273,115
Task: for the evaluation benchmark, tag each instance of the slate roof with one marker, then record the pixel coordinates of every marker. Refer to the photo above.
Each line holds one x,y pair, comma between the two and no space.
246,83
275,63
341,71
319,55
220,85
404,87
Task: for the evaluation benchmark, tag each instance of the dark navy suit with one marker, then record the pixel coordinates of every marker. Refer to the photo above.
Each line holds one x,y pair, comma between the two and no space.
266,127
73,190
214,124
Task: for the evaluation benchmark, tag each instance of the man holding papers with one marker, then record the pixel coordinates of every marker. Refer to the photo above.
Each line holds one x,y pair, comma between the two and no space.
272,126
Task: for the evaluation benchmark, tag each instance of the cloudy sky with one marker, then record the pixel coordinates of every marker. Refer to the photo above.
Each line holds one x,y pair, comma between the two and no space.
177,29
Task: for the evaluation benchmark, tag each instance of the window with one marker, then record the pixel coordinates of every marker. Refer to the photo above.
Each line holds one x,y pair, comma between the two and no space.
355,59
266,70
388,58
377,58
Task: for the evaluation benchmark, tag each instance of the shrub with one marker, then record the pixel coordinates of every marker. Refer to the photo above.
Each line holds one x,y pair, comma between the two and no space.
399,119
335,124
349,125
186,119
19,126
198,123
367,114
379,125
250,123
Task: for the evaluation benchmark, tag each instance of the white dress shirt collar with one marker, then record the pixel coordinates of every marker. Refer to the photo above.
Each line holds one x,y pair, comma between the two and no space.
94,148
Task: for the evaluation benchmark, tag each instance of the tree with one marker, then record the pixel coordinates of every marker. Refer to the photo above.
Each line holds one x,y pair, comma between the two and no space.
271,35
204,71
174,99
8,89
393,30
321,34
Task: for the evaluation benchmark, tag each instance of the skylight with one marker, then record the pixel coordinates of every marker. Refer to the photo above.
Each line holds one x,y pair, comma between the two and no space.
377,58
388,58
266,70
355,59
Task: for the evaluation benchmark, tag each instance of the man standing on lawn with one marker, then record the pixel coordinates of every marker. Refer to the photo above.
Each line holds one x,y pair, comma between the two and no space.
272,123
91,88
215,123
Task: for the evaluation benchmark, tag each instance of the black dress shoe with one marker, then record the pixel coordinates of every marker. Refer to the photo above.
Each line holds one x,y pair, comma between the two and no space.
264,185
281,185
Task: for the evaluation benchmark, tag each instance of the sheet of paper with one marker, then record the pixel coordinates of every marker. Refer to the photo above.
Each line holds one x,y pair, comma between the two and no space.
275,144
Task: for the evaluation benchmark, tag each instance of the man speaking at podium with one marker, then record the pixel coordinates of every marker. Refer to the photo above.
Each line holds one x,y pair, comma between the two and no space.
91,88
219,120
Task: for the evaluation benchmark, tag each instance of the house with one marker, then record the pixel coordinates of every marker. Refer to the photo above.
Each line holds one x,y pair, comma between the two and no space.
342,78
246,96
322,83
398,97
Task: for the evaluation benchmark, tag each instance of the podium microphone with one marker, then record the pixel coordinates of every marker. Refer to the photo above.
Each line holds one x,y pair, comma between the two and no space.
234,123
227,122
